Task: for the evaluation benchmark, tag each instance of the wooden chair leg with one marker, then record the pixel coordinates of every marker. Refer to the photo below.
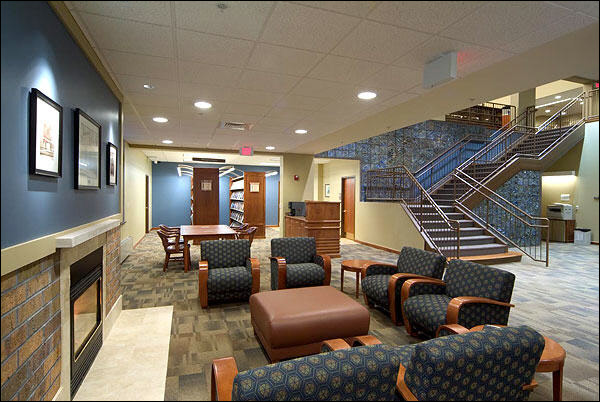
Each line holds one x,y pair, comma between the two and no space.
166,264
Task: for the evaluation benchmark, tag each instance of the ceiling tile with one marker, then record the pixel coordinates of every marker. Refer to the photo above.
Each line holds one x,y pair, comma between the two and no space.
153,12
255,97
291,114
303,102
500,22
133,83
344,69
140,65
394,78
259,80
208,74
275,123
211,49
139,98
433,48
355,8
205,92
306,28
398,99
378,42
244,108
282,60
241,19
471,62
129,36
589,8
323,89
425,16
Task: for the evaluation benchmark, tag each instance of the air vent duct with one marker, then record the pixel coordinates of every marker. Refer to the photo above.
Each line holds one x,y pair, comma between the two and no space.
232,125
212,160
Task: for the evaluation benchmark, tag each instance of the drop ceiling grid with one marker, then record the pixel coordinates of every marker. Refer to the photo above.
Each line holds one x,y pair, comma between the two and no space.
269,56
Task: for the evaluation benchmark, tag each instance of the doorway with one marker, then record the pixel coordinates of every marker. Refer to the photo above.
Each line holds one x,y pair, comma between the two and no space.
348,207
147,203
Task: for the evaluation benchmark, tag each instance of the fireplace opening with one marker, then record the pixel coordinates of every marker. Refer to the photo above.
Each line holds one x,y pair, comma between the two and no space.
86,315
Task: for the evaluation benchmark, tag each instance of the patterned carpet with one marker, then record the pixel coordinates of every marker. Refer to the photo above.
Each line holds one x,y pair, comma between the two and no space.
560,302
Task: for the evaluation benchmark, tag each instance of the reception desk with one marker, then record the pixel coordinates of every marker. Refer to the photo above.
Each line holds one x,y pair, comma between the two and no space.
322,221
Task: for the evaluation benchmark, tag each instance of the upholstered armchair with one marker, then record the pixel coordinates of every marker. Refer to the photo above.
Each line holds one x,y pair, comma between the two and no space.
295,263
382,283
470,294
227,273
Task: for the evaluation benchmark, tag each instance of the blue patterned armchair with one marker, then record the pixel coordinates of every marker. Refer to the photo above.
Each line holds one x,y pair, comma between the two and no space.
295,263
470,294
382,283
227,273
492,364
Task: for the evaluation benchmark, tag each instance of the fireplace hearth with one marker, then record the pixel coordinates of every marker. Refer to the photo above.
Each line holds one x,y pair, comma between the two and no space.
86,315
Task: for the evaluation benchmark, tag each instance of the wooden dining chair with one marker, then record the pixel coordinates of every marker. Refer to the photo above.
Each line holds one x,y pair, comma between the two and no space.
240,228
171,244
171,229
247,234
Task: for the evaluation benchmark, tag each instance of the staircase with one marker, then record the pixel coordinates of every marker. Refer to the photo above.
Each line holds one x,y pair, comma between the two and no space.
441,197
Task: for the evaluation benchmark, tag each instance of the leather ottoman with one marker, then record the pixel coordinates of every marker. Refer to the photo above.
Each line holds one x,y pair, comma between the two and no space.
293,322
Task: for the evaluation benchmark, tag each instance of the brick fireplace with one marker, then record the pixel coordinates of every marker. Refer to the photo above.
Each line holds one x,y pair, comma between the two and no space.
36,316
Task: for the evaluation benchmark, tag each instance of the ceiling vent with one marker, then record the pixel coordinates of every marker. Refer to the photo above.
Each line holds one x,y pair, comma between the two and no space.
212,160
232,125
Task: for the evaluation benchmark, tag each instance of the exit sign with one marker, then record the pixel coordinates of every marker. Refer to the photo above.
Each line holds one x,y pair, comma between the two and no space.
246,151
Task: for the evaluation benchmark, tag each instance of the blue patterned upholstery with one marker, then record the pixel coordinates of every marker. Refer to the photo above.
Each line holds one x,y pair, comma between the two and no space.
295,250
225,253
410,260
427,312
493,364
356,374
466,278
304,275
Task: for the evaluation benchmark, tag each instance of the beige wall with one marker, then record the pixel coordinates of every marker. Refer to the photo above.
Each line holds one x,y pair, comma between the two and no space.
137,166
294,190
383,224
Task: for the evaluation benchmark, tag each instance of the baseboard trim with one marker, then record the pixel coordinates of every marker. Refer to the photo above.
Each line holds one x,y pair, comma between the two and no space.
138,242
271,226
389,250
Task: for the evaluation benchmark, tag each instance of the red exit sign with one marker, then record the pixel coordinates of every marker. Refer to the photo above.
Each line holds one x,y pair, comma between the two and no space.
246,151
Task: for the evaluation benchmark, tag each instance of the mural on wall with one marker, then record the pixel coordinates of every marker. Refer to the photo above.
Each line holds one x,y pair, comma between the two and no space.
412,146
524,190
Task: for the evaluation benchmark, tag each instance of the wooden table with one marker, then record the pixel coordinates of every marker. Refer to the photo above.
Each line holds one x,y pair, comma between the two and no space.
203,232
354,266
551,361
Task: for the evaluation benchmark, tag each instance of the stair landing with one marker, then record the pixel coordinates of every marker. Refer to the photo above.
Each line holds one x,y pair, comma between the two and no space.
491,259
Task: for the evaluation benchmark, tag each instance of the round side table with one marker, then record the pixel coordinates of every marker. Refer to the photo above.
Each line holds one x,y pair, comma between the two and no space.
551,361
353,266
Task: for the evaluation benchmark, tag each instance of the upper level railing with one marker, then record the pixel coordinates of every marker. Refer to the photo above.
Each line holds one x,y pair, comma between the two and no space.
399,184
487,114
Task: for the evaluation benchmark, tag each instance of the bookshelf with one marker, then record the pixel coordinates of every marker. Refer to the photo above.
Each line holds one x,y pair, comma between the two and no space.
247,201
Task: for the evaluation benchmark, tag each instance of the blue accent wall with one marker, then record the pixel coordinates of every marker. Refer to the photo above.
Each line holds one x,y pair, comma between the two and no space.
171,194
38,52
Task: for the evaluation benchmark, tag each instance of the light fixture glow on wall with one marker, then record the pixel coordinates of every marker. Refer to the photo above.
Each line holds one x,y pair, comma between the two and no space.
547,110
301,131
273,173
149,86
270,148
203,105
159,119
167,141
367,95
223,173
557,97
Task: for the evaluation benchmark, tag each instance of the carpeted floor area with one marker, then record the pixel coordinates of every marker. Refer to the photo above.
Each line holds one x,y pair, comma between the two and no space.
561,302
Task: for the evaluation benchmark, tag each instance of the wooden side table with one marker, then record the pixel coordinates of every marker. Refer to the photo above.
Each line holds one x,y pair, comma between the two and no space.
354,266
551,361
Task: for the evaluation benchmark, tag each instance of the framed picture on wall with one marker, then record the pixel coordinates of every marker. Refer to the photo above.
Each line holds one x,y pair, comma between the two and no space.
45,135
112,156
327,190
87,151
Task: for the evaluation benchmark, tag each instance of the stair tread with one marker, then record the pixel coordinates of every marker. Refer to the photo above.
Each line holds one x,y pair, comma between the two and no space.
466,229
509,256
466,238
475,246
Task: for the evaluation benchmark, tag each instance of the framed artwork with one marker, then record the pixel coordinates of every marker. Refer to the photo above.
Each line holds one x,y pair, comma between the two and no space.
87,151
327,190
45,135
112,156
254,187
206,185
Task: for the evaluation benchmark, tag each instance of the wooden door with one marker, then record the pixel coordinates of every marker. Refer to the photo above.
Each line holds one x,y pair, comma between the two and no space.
206,196
348,191
147,204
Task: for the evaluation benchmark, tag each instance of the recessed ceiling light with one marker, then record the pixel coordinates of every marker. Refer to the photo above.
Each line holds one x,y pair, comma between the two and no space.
159,119
149,86
563,113
557,97
581,102
202,105
547,110
270,148
301,131
367,95
167,141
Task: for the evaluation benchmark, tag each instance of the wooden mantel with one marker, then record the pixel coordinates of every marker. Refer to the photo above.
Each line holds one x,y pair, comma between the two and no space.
322,221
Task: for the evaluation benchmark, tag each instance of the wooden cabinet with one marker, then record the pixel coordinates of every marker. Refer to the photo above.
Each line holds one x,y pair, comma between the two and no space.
322,221
247,201
562,230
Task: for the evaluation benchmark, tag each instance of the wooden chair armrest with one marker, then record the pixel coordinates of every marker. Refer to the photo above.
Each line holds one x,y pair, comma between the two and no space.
281,272
335,344
392,291
255,269
456,304
530,386
452,328
327,268
363,340
203,283
363,271
221,382
402,387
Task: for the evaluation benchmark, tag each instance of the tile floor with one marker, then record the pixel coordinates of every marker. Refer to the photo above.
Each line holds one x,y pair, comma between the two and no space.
132,364
560,301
